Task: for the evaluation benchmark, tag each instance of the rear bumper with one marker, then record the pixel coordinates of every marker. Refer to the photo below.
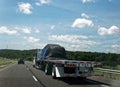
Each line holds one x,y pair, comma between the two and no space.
70,75
75,75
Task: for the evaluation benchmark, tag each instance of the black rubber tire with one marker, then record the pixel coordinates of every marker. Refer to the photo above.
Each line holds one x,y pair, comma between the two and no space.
42,66
53,73
34,66
48,69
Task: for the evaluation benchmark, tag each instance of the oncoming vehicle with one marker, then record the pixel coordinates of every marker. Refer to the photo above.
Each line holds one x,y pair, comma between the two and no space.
20,61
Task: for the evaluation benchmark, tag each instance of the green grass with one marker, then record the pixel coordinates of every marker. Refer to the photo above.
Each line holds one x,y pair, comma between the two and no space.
107,75
2,60
118,67
110,67
5,62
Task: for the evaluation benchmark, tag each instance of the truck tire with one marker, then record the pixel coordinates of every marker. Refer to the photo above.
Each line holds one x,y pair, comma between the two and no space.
48,69
34,66
53,73
42,66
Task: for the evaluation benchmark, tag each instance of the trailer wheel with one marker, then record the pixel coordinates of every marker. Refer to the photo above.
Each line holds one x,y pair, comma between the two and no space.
48,69
34,66
53,73
42,66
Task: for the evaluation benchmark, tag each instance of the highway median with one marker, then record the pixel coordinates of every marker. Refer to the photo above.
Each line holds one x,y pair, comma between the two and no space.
6,62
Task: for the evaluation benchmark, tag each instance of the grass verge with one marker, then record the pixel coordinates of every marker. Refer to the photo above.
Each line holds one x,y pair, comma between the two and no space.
107,75
5,62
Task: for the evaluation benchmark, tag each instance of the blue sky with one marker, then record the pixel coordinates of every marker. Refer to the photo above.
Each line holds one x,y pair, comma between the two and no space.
78,25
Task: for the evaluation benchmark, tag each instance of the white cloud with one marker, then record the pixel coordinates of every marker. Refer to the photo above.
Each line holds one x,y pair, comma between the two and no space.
68,38
31,39
26,30
41,2
32,43
116,46
5,30
73,41
23,29
52,27
109,0
37,31
86,1
82,22
84,15
112,30
25,8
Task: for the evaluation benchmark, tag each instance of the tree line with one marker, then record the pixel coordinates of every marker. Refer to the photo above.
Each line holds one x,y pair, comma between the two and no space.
108,59
17,54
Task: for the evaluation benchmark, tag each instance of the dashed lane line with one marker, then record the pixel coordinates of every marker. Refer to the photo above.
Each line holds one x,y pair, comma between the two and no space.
105,86
35,78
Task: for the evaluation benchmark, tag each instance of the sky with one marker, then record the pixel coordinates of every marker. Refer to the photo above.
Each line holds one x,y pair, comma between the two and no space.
77,25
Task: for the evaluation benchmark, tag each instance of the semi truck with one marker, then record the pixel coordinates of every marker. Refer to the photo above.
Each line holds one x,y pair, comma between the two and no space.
53,61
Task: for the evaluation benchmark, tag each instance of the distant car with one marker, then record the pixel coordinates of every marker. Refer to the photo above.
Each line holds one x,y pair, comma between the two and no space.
20,61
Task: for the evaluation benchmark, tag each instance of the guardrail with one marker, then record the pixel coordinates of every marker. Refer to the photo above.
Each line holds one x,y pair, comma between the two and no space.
114,74
108,70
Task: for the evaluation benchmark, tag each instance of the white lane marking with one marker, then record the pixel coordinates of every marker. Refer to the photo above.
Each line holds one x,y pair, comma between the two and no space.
35,78
104,85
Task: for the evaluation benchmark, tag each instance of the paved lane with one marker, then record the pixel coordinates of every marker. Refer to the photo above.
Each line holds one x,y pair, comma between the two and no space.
27,76
47,80
17,76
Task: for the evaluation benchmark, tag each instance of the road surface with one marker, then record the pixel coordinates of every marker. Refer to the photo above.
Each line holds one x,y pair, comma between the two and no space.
24,75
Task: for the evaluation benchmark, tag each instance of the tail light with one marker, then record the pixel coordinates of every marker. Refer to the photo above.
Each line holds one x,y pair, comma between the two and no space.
70,65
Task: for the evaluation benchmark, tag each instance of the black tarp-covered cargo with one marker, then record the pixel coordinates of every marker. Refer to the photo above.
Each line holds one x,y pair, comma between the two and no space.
53,51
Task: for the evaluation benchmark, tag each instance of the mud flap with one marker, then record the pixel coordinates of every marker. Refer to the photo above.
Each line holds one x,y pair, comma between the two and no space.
59,71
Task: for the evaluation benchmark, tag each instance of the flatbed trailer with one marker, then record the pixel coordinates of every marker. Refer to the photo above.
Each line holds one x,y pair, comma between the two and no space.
59,67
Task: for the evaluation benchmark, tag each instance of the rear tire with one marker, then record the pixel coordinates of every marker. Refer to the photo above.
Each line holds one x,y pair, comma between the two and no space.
54,73
34,66
48,69
42,66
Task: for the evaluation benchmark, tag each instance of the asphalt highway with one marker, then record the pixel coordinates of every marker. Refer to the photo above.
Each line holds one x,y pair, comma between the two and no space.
24,75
